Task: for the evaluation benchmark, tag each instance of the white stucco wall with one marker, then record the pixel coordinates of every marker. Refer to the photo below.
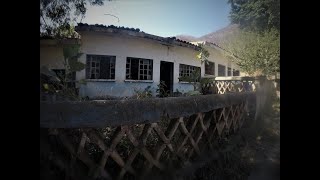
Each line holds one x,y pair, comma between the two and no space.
216,56
123,47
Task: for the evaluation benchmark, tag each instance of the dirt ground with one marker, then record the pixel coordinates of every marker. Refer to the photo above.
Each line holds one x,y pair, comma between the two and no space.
255,154
267,163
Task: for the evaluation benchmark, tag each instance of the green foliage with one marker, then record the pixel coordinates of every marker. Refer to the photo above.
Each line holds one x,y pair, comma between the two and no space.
161,90
256,47
64,31
255,52
60,83
75,65
70,51
71,54
57,16
257,15
203,54
194,78
206,84
146,93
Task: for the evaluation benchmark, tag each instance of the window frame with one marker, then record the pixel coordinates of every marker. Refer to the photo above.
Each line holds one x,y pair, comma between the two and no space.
213,69
144,65
111,63
189,70
224,72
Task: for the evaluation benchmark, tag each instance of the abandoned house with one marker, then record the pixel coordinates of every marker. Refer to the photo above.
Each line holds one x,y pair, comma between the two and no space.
121,61
218,65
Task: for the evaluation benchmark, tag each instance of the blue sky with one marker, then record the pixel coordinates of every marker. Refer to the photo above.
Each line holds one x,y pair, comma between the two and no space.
163,17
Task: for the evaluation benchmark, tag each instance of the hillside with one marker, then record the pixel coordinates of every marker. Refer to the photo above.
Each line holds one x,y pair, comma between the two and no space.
214,37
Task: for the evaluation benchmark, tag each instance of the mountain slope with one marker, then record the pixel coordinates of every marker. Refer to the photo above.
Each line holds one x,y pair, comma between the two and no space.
214,37
187,38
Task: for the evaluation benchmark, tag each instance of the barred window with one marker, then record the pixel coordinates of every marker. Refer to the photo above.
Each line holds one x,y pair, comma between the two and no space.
100,67
186,70
209,68
221,70
139,69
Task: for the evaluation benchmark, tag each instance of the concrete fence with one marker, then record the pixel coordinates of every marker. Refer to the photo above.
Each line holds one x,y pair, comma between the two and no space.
129,139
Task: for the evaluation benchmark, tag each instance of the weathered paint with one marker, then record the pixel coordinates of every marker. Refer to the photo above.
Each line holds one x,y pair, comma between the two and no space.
217,56
97,43
123,47
121,112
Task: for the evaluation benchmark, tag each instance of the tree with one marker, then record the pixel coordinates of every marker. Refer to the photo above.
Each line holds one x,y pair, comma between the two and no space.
258,15
57,16
255,52
203,54
255,47
64,84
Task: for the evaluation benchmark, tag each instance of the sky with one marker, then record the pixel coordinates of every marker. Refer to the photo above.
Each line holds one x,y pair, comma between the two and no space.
163,17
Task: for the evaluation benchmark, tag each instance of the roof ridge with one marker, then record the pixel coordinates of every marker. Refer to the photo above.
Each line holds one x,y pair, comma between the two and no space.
85,26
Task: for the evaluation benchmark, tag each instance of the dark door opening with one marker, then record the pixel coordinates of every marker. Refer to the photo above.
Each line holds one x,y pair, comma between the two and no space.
166,75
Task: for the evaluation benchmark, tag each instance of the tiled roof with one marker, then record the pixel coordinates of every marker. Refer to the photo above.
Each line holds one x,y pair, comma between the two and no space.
134,32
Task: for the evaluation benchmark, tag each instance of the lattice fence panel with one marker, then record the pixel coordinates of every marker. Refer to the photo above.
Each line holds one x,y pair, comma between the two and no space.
227,86
134,151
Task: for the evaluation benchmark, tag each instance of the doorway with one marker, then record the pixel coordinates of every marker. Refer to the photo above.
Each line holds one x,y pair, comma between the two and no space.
166,75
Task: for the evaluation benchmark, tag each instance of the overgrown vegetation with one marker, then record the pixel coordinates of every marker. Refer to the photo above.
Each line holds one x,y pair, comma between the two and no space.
57,17
232,163
203,54
201,85
146,93
237,156
257,15
207,85
255,144
63,83
162,90
193,79
256,53
256,46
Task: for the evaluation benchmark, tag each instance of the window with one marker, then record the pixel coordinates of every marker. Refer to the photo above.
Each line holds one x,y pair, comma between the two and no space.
209,68
100,67
229,71
186,70
139,69
236,72
221,70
